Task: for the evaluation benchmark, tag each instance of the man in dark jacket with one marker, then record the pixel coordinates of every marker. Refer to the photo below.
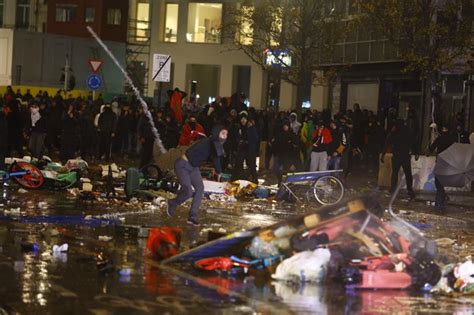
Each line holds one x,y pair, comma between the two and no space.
444,141
247,148
107,124
283,146
337,146
189,175
461,135
399,139
146,138
37,128
69,134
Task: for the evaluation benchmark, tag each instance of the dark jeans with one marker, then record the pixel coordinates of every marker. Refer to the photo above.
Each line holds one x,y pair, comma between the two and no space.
440,194
405,163
105,143
146,153
3,153
251,162
67,152
188,177
281,165
334,163
36,144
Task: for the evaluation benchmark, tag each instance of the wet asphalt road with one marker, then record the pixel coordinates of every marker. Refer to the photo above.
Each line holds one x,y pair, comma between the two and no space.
70,283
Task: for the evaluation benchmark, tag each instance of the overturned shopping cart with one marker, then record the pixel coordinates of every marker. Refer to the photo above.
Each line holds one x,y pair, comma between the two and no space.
325,187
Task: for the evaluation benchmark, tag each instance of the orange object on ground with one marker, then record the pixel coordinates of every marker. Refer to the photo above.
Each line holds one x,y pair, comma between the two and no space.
163,242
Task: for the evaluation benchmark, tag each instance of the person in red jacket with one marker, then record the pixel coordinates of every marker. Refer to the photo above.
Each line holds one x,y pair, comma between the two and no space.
191,132
322,140
176,98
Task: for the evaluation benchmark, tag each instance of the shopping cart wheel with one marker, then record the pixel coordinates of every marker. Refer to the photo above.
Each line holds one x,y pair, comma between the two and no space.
32,179
328,190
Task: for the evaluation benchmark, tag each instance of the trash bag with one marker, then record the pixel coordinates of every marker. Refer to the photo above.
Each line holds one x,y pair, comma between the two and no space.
423,270
163,242
464,273
307,266
132,182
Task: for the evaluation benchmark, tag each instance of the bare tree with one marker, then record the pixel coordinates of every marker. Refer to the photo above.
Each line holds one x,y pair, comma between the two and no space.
293,37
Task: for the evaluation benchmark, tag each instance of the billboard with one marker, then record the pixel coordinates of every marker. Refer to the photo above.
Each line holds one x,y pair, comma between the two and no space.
277,58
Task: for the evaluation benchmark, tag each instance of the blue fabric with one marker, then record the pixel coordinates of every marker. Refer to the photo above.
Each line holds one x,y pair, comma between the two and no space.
61,219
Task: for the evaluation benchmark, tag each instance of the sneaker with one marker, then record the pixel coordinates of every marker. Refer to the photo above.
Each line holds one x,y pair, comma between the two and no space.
193,222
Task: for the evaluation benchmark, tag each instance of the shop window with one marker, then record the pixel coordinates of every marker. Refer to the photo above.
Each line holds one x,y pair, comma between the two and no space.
114,17
90,15
171,23
204,22
143,22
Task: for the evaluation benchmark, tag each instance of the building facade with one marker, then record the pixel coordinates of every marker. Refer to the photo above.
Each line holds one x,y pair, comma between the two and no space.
37,37
108,18
202,62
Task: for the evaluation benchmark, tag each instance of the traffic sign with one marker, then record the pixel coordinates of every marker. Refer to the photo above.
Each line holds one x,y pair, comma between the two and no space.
95,64
161,68
94,81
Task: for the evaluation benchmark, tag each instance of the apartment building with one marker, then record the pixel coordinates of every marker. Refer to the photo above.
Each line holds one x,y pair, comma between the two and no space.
37,36
202,62
372,75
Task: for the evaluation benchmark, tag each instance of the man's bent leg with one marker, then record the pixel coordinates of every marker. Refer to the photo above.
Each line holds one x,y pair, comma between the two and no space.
196,181
182,169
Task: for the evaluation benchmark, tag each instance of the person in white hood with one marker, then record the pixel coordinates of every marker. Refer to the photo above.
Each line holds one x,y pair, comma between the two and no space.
294,123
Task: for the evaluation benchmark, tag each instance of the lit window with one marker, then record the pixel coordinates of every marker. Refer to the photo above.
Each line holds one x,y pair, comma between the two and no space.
143,18
90,15
23,14
204,22
171,23
114,16
65,12
246,25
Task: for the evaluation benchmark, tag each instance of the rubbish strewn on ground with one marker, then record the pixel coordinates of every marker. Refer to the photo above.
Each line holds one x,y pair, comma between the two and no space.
348,242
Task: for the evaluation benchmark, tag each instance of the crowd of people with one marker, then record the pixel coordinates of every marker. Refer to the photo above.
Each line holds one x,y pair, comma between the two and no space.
314,141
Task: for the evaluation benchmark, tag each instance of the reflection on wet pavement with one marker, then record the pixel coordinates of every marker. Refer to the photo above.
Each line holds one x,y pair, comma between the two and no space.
126,282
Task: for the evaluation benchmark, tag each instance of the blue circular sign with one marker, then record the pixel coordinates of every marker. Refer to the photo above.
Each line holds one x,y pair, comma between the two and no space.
94,81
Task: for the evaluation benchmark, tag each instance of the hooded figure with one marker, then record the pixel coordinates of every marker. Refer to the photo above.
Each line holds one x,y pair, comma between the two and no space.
38,131
284,145
294,123
189,175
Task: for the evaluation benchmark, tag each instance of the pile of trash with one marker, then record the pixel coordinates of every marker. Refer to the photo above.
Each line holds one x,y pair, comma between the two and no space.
43,173
349,242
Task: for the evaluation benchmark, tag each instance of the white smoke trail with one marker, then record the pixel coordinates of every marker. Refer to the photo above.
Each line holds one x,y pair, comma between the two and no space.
135,90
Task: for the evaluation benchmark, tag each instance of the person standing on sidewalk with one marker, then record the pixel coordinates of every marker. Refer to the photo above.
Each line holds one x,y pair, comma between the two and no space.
444,141
38,130
338,146
322,140
189,175
107,124
400,140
